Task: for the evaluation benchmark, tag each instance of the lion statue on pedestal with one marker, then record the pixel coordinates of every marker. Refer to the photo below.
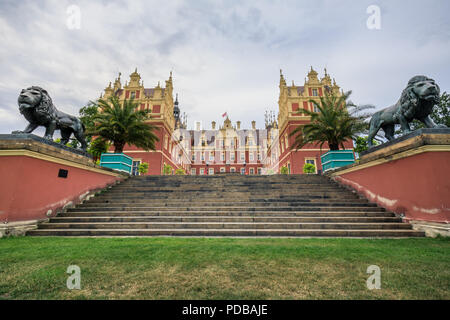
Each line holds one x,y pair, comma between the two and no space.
416,102
37,107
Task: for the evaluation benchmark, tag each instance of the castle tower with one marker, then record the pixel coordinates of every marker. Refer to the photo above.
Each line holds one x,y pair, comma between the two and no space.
292,100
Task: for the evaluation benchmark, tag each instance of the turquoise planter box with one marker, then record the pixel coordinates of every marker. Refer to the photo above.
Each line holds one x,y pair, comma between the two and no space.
117,161
336,159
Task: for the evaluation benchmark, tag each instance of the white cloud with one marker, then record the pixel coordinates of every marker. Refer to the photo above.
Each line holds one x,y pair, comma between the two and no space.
225,55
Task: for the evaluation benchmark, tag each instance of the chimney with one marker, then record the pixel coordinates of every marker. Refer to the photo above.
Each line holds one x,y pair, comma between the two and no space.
253,124
238,123
213,125
197,125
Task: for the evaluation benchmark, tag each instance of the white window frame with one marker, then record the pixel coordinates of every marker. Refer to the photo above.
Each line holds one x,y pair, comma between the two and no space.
233,169
193,171
202,171
251,171
242,170
211,171
222,169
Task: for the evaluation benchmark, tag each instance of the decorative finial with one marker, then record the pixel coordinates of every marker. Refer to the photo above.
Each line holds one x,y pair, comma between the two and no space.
325,71
109,85
281,72
120,73
158,84
135,70
176,98
293,83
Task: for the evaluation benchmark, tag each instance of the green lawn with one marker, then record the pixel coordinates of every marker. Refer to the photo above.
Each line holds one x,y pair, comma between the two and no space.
223,268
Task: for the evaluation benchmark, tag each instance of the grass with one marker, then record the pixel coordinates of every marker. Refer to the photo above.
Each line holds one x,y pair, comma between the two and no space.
223,268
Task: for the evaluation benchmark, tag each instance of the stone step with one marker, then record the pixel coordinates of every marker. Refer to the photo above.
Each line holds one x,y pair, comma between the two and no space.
177,202
224,225
223,219
212,204
229,233
133,208
229,206
230,213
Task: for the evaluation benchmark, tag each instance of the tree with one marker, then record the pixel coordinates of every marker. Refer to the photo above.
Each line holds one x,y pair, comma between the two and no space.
143,168
167,170
362,144
180,172
336,121
97,147
122,124
309,168
87,117
284,170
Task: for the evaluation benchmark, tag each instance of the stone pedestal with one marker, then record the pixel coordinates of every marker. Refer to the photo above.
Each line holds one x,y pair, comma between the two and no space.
409,176
39,178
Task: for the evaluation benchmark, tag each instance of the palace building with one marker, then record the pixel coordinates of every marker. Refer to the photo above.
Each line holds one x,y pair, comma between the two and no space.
225,148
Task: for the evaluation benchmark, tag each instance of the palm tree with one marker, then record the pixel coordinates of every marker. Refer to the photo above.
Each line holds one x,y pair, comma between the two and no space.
122,124
336,121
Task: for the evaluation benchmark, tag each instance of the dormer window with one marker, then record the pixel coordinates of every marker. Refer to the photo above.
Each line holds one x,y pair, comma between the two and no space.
315,93
133,94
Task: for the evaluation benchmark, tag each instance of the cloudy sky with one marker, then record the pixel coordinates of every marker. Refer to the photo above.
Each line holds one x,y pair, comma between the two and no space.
225,55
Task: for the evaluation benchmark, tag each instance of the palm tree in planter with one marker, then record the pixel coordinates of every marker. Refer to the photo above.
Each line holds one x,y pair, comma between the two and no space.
336,121
124,124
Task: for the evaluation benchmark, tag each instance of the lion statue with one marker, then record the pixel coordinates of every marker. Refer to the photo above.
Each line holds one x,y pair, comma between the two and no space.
37,107
416,102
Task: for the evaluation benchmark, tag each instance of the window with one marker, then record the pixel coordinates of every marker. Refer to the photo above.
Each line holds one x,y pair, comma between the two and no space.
242,170
251,156
203,156
193,157
259,170
193,171
202,170
311,161
232,169
222,156
133,94
259,156
211,156
286,140
232,156
242,156
314,92
252,171
135,168
222,169
211,171
316,109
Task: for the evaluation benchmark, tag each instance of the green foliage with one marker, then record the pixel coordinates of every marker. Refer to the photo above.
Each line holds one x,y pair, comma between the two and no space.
87,117
284,170
309,168
167,170
122,124
362,144
98,146
143,168
337,121
180,172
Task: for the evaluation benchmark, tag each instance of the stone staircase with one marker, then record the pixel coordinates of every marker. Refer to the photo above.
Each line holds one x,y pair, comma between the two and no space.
229,206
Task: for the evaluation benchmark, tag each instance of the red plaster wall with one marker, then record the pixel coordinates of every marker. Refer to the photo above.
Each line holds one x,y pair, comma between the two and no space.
30,187
417,186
